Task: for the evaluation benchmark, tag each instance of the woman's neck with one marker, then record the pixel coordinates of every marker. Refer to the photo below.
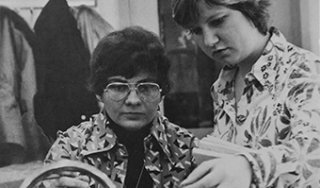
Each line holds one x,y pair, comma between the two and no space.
246,65
128,137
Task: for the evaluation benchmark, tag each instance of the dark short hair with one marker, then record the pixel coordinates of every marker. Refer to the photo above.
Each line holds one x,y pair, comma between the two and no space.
128,52
186,12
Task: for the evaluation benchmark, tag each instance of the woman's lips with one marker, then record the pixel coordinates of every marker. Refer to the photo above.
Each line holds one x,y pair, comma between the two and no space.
133,114
219,52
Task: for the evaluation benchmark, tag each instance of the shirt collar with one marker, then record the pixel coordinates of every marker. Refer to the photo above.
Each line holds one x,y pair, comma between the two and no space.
222,89
102,137
267,66
158,132
264,70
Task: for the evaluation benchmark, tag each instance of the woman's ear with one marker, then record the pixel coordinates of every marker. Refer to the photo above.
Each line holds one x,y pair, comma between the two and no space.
100,103
98,97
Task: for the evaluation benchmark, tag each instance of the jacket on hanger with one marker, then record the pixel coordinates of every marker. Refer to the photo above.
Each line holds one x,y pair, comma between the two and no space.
64,100
91,25
20,137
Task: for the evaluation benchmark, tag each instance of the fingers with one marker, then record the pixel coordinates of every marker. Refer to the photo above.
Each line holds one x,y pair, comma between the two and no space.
210,180
72,182
84,178
199,174
76,175
66,181
228,172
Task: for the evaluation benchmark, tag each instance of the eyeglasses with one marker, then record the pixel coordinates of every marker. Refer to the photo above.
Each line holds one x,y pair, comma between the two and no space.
147,91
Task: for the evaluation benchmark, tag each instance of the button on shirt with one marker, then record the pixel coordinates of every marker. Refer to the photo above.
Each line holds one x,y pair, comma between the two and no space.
278,114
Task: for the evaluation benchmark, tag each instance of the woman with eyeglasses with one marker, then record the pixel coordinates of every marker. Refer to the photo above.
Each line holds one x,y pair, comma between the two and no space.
129,140
267,97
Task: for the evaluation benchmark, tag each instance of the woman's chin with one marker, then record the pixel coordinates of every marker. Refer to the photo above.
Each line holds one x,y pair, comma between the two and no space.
131,125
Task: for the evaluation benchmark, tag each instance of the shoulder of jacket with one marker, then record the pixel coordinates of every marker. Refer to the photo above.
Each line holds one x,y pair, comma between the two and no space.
177,130
81,130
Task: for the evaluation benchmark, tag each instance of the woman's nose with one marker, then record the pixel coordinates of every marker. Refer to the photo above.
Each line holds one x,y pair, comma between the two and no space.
133,97
210,38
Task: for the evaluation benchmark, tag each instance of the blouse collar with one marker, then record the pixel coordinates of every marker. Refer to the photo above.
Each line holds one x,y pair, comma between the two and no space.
103,138
265,70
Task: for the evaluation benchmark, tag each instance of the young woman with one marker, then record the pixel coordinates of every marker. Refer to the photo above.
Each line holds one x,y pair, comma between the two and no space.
129,140
267,97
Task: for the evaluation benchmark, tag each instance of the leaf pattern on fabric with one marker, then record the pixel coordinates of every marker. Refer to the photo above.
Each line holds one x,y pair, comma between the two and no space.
282,98
258,129
168,157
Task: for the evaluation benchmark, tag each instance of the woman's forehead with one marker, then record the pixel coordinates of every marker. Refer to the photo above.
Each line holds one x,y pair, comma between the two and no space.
227,2
142,76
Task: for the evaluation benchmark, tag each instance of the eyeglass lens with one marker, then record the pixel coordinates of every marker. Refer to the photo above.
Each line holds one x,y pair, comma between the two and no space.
146,91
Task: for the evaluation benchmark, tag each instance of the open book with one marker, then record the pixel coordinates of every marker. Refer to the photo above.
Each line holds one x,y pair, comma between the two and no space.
210,147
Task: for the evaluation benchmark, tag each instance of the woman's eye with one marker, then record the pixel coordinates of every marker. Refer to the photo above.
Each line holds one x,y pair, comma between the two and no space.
196,31
212,23
118,88
217,22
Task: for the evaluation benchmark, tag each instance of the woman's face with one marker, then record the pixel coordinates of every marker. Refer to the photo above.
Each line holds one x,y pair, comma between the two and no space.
131,113
225,34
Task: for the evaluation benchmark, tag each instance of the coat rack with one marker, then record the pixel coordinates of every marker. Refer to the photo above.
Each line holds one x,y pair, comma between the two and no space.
35,4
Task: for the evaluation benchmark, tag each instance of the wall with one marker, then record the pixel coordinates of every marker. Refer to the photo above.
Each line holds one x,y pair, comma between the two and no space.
310,25
285,15
122,13
119,13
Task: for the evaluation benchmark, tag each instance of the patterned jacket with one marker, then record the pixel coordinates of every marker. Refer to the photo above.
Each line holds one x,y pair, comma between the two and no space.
278,114
93,142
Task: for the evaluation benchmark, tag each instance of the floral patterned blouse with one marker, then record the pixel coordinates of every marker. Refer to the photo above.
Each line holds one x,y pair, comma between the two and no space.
278,115
168,157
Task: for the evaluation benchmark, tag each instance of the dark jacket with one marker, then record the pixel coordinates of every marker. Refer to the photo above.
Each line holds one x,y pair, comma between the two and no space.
64,98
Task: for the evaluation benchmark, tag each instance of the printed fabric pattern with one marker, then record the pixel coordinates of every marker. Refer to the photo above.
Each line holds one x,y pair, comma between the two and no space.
278,114
168,157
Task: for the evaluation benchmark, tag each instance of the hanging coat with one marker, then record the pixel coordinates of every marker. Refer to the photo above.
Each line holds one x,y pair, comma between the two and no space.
64,100
21,138
91,25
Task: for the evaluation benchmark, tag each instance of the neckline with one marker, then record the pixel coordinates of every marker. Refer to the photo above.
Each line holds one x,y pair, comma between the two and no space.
129,138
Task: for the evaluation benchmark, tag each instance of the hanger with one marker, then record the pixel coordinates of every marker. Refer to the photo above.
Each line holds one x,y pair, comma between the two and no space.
39,4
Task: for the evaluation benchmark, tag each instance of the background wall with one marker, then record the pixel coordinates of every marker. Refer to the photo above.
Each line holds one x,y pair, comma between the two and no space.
285,15
297,19
122,13
310,25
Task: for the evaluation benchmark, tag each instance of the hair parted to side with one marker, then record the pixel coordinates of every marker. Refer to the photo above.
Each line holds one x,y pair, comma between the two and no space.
186,12
126,53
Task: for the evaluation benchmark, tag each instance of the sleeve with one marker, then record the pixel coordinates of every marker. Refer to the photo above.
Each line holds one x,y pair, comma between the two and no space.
68,145
189,139
294,161
11,127
180,145
193,142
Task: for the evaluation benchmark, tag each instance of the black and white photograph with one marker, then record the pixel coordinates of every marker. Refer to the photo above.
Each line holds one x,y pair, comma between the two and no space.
159,94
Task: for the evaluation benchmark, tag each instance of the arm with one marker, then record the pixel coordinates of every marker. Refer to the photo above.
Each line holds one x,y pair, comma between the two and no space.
226,172
67,146
296,159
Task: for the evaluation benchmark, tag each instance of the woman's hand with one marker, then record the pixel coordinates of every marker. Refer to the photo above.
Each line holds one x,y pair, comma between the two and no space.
227,172
70,180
